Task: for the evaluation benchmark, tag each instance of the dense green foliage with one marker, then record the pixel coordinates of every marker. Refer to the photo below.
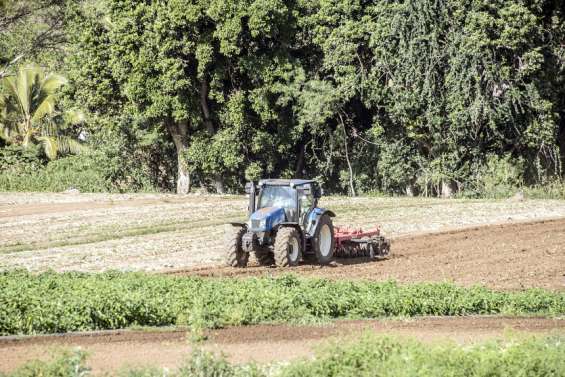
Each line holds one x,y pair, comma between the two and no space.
369,356
52,302
66,364
30,115
417,96
390,357
99,169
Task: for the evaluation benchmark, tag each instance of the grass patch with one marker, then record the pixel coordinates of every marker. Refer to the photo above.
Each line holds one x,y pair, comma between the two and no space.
52,302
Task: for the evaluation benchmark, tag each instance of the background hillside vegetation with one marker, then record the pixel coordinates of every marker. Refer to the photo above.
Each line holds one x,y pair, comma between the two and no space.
418,97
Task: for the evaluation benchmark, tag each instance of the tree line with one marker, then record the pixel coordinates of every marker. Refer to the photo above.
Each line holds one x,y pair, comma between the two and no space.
422,97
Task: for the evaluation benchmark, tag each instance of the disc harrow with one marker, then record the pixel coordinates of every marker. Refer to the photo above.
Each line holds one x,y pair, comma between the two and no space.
355,243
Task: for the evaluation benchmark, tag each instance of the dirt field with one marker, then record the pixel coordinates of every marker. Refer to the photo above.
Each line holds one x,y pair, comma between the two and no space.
111,350
500,244
154,232
511,256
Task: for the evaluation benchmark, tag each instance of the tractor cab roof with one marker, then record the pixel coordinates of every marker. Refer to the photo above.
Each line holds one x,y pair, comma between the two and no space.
286,182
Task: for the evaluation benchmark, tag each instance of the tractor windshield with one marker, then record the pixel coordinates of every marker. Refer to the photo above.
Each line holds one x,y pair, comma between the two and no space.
278,196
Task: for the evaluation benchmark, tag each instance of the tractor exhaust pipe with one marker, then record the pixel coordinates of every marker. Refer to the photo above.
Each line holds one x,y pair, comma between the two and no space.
251,189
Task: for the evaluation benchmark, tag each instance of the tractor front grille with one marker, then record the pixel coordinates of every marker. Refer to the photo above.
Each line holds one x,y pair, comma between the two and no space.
255,224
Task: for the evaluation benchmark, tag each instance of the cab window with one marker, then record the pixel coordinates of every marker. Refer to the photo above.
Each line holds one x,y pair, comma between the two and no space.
277,196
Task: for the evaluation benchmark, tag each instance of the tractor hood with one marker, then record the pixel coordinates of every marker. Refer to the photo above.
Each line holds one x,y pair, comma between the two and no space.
265,219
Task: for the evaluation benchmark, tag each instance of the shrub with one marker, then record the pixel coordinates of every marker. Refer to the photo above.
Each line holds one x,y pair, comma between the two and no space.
100,170
68,364
498,177
51,302
368,356
384,356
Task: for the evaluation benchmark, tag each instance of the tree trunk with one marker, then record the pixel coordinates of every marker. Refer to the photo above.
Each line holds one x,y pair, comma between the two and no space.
299,172
183,180
447,189
351,185
561,142
179,133
218,181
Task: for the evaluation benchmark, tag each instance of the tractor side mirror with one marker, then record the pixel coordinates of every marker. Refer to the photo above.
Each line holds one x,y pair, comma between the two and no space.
318,192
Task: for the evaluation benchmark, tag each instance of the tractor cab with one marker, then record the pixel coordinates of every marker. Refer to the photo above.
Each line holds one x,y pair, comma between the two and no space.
275,200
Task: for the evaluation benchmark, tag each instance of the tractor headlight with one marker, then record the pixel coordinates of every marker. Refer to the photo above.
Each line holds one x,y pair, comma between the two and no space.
263,224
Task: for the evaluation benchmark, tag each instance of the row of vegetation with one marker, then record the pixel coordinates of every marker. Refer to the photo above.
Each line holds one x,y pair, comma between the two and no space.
370,356
54,303
405,96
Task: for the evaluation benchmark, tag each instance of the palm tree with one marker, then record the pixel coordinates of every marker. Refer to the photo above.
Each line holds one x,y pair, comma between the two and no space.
30,115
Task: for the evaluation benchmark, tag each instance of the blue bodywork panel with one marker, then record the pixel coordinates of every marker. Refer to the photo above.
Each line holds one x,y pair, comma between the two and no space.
313,217
265,219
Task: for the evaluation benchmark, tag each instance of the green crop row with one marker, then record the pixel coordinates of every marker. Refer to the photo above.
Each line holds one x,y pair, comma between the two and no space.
369,356
52,302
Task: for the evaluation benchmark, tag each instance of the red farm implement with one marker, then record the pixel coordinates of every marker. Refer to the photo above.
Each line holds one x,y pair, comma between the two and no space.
352,243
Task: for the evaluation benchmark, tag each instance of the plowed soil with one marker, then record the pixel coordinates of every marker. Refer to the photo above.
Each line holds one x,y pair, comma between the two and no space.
112,350
183,236
509,256
159,232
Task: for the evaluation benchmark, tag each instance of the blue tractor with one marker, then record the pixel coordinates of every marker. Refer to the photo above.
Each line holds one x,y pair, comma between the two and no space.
285,224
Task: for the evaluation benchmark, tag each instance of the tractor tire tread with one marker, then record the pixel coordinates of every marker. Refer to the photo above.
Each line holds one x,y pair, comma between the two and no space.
282,239
235,256
325,219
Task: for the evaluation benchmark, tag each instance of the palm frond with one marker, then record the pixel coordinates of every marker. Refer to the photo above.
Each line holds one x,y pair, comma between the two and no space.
3,132
45,108
23,87
9,85
70,145
50,146
30,109
51,84
74,117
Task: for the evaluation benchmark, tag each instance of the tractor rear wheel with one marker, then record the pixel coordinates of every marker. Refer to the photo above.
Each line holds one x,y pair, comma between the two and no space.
235,256
324,242
287,250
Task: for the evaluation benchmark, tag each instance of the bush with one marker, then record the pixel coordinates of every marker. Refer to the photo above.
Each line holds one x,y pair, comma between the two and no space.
385,356
51,302
499,177
551,190
101,170
369,356
65,365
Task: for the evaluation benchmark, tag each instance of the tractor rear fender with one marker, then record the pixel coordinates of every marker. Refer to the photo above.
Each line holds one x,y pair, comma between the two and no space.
314,217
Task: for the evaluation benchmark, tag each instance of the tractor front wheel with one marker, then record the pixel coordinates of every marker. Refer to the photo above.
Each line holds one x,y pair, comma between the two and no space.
235,256
288,247
324,243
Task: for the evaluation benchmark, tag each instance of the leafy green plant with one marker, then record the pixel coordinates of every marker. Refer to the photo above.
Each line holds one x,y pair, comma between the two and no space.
98,170
385,356
29,110
368,356
67,364
498,177
51,302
